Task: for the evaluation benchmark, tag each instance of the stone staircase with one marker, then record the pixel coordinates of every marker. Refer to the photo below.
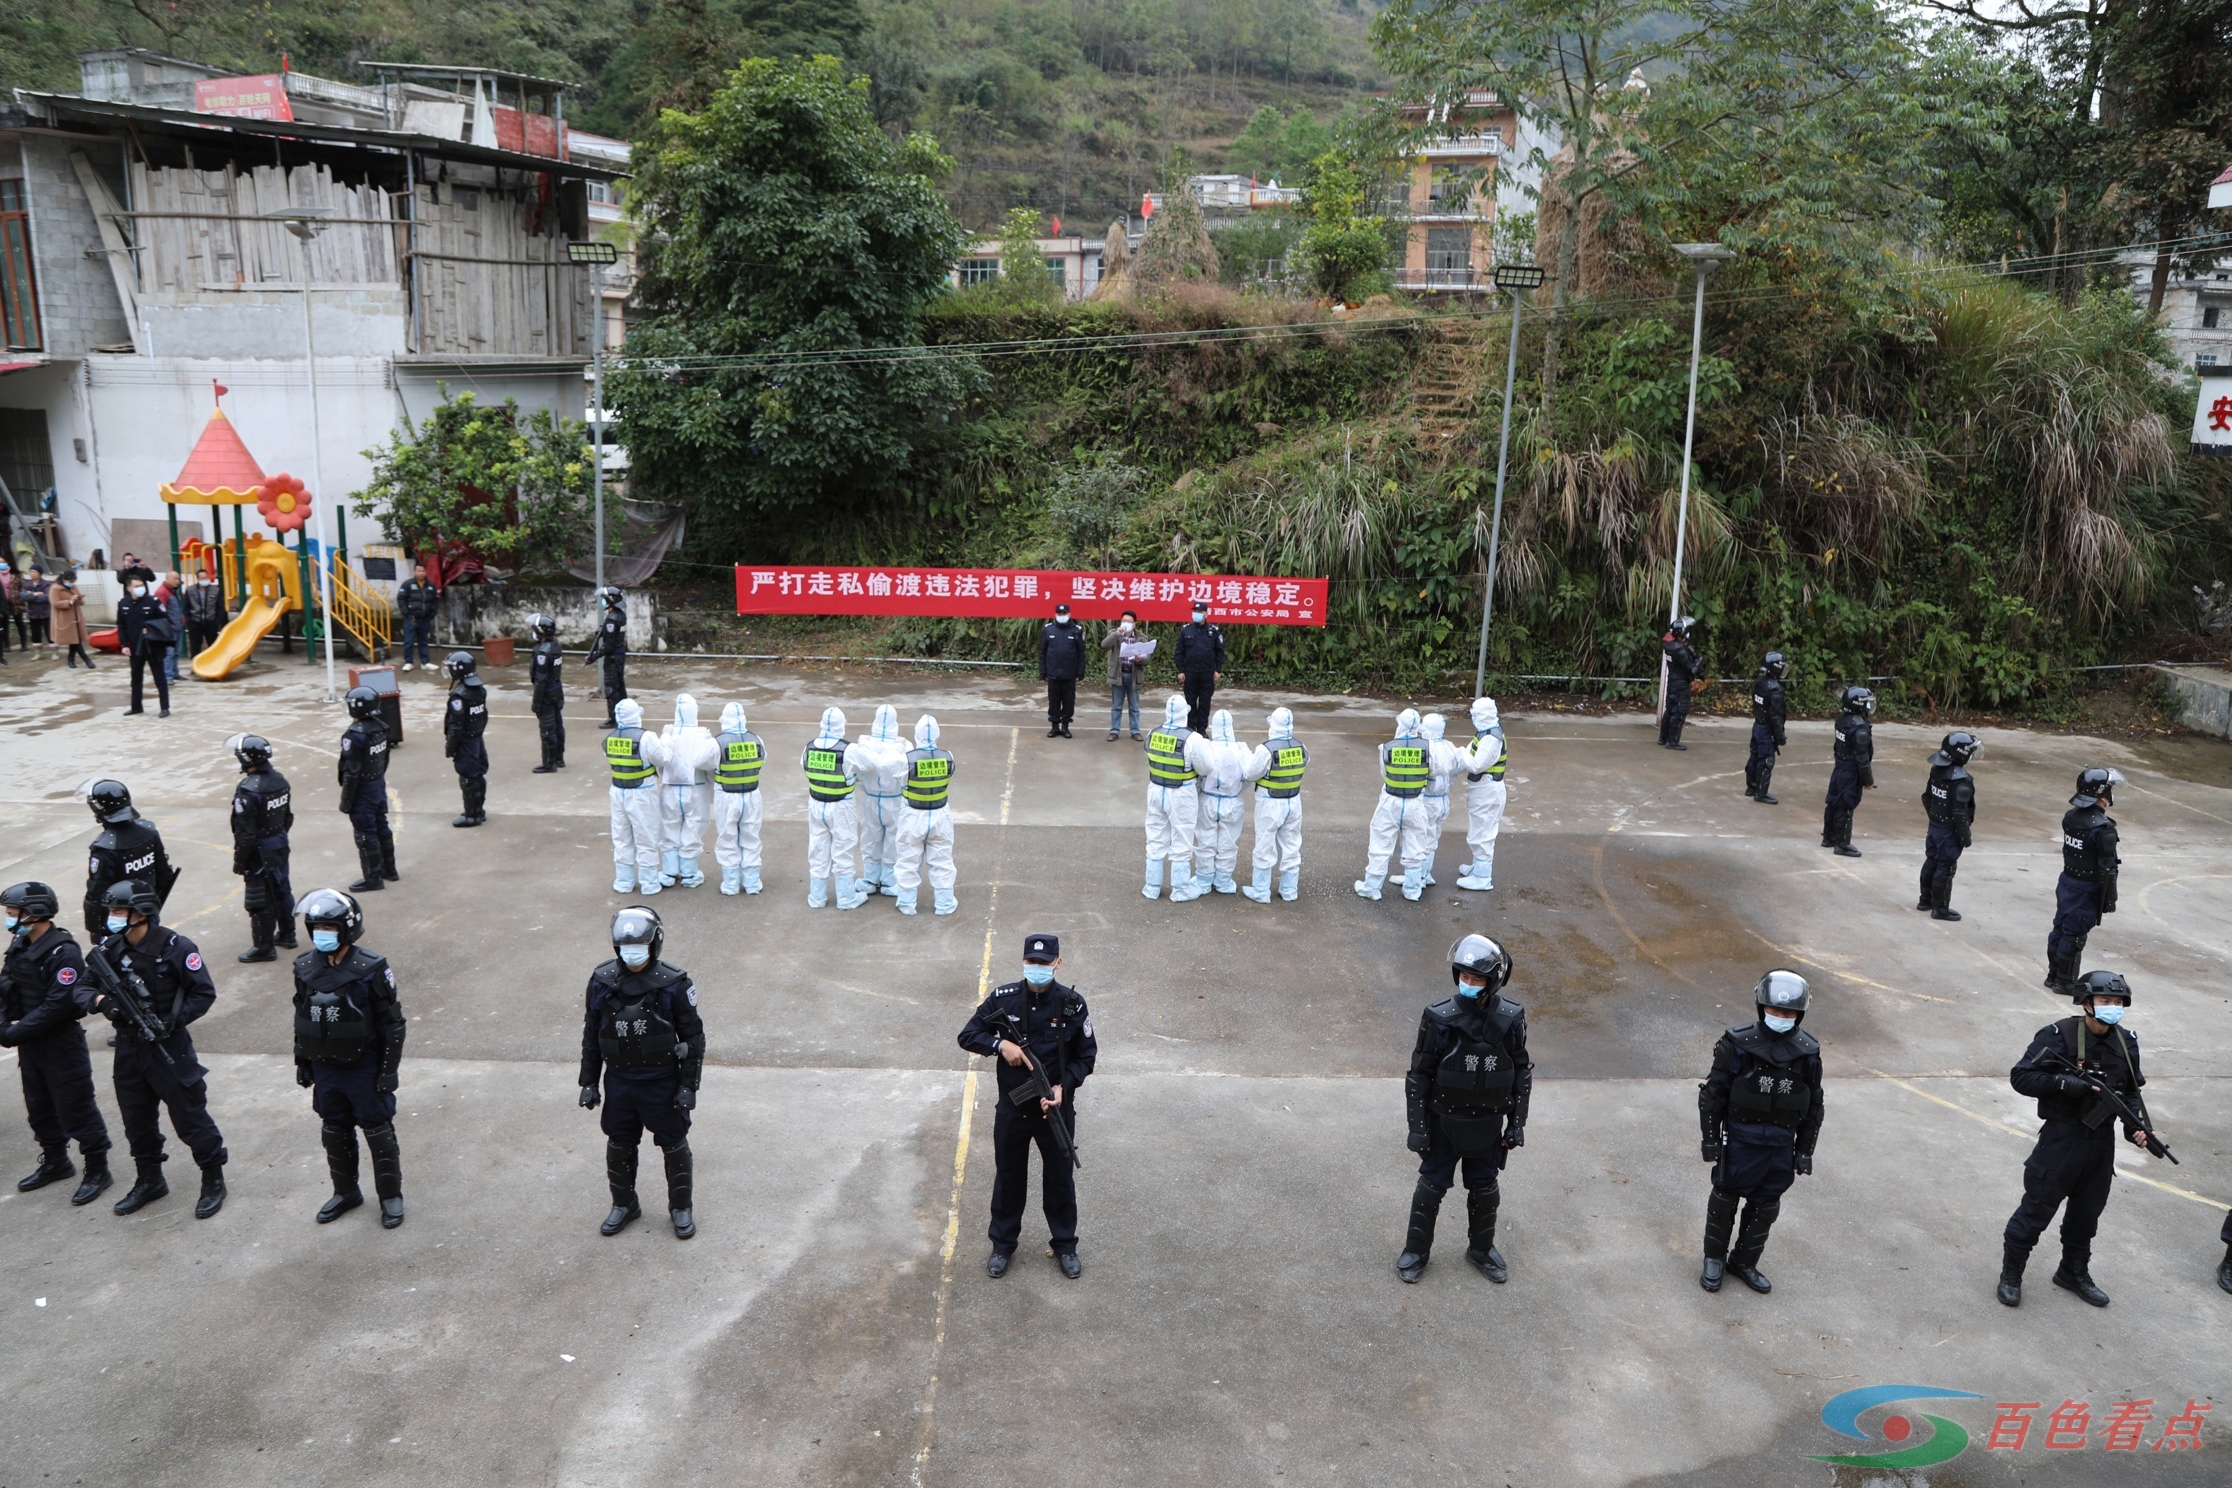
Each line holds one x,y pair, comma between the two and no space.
1447,388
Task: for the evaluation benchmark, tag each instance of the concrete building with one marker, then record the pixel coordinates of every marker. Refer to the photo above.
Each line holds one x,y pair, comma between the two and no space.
1449,243
142,258
1073,262
2196,314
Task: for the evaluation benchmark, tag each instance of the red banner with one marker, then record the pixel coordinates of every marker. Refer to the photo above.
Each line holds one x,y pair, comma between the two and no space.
261,97
1022,593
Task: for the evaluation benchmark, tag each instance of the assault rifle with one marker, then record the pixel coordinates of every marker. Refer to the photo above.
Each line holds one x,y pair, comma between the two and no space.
128,994
1035,1088
2116,1103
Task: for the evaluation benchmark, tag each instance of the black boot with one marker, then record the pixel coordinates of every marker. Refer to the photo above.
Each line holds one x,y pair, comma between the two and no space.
620,1172
54,1166
212,1191
1845,849
284,936
147,1188
678,1171
1751,1241
261,934
387,1172
1766,779
387,857
1418,1243
1480,1237
2075,1275
1943,908
1720,1219
2013,1258
368,867
96,1181
2061,971
341,1162
2224,1267
1828,826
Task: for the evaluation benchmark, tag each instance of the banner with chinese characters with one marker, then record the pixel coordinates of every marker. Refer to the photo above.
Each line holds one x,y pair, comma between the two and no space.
1012,593
261,97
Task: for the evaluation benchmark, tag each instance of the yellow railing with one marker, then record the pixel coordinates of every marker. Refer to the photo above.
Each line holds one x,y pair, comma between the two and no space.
362,610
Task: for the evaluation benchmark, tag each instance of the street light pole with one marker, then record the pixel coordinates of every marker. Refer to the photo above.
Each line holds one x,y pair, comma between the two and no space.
596,256
1517,279
1703,257
306,223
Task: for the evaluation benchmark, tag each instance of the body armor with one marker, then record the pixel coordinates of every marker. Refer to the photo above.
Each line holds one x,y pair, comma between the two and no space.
2081,844
263,805
633,1033
1770,1088
1950,796
333,1017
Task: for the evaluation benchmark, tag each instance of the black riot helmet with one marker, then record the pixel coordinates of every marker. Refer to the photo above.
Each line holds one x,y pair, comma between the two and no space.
612,596
1957,748
1775,665
638,925
2102,984
1782,991
2096,787
1858,700
1482,957
252,750
546,626
460,664
110,802
363,702
132,894
1681,625
31,900
335,909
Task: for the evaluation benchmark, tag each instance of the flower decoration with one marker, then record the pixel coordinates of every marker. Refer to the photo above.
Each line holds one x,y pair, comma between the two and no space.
283,503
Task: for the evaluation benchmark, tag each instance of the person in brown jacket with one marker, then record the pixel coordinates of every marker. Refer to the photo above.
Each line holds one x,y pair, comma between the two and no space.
68,618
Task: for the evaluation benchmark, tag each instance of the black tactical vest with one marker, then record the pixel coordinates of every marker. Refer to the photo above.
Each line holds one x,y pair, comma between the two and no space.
1770,1087
1937,796
2080,849
1476,1077
333,1023
371,753
632,1033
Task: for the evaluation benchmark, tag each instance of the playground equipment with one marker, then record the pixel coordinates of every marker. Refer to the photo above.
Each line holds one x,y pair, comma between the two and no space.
273,584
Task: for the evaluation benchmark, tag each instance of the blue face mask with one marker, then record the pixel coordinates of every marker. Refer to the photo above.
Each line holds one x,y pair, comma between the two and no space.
1779,1023
1038,974
1471,989
635,955
116,923
328,941
2109,1015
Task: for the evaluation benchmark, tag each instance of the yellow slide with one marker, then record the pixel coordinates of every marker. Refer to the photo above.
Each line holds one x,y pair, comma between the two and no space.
272,582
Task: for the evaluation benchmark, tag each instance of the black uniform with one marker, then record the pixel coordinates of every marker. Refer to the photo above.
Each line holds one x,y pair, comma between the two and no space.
543,670
1200,658
611,648
42,987
2075,1159
2085,891
364,798
641,1030
1761,1107
1770,712
1061,663
262,816
180,991
1056,1029
348,1048
1683,666
1467,1093
1852,772
143,624
1950,801
463,724
131,849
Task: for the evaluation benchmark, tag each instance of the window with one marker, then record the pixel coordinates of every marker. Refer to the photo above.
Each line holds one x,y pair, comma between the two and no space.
979,271
1060,274
19,295
1448,256
1452,186
2209,318
26,459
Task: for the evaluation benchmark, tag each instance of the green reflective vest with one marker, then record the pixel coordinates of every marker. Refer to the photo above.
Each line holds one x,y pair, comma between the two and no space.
1284,779
624,752
1166,756
825,772
1404,767
1503,756
736,765
929,777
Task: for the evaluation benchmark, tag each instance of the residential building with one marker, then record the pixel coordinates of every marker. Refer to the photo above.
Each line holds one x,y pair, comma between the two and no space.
1073,262
2196,314
1230,196
1451,203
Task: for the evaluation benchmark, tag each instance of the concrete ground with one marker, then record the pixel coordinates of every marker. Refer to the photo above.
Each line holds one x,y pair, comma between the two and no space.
1245,1181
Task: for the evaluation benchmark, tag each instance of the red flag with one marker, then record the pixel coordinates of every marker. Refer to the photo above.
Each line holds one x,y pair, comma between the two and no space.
221,388
1147,205
1057,227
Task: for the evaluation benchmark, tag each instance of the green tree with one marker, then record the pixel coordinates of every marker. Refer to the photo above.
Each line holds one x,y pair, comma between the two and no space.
1342,252
510,486
1257,149
1024,276
790,248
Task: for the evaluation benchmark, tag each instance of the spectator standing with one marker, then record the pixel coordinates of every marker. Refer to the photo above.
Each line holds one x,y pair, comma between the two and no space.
8,610
416,600
36,609
206,613
174,609
68,606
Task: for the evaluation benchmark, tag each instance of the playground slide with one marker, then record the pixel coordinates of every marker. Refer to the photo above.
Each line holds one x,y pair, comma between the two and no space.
237,641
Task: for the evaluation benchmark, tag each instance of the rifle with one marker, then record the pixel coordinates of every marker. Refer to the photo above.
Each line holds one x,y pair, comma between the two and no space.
2116,1103
1035,1088
130,997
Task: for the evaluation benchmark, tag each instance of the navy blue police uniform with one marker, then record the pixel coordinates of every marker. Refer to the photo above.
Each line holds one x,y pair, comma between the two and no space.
262,817
2074,1161
2085,891
610,648
1851,771
1770,717
464,723
180,990
1201,656
348,1049
1683,666
546,674
1470,1083
126,849
42,997
1761,1107
1949,800
642,1033
1055,1028
364,799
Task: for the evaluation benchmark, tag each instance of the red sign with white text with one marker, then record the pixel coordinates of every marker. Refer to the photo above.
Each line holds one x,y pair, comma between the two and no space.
1022,593
263,97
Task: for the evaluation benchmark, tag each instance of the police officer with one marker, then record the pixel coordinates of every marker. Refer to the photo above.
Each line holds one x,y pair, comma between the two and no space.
1761,1110
1276,769
42,984
1949,799
1061,663
545,675
178,991
2069,1063
348,1049
364,798
128,847
1770,713
643,1033
926,830
1034,1023
464,723
1200,664
1173,806
1400,821
738,756
1683,667
1852,772
262,816
2086,889
611,648
1467,1092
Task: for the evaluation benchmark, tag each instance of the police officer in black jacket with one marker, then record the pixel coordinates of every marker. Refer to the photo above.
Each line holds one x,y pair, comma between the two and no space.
463,724
2086,889
179,991
1468,1089
2068,1064
1683,666
128,847
1760,1110
363,780
1061,663
42,982
544,672
642,1031
348,1049
1770,712
611,648
1852,770
143,624
1200,661
1036,1022
262,816
1949,800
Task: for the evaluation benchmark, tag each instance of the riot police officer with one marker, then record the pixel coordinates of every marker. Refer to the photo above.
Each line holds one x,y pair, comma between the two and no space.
2086,889
348,1049
1035,1026
2069,1064
1760,1110
363,772
1770,712
42,984
463,724
1683,667
549,693
642,1031
128,847
1949,799
262,816
163,1073
611,648
1852,771
1470,1083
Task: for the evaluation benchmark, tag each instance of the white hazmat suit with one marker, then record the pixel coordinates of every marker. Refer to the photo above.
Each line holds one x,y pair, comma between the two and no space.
832,830
1278,803
1172,807
1400,821
1446,761
1484,795
635,810
1222,762
925,835
883,774
736,812
685,795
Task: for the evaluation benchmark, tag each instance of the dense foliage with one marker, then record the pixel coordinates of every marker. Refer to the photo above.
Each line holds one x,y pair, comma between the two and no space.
513,487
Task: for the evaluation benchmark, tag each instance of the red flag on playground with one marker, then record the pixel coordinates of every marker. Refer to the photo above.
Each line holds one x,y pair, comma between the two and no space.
1008,593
